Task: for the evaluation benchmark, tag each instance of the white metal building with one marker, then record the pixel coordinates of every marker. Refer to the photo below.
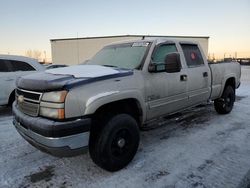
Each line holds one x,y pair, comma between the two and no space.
72,51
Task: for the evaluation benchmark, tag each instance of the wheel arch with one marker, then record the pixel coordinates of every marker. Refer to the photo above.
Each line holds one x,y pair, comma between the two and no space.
230,80
11,98
130,106
117,99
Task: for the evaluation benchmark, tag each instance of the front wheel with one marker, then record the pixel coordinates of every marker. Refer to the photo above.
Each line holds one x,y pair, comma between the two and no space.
224,105
117,143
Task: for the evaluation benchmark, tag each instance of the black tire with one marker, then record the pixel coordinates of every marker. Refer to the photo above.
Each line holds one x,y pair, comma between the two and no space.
224,105
116,144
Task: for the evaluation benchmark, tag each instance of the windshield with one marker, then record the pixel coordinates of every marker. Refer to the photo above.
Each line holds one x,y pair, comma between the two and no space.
128,56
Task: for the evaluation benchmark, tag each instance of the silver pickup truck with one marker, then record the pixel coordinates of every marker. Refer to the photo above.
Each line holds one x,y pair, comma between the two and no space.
103,104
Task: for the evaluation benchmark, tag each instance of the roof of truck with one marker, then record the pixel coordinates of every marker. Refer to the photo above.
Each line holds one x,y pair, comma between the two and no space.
154,39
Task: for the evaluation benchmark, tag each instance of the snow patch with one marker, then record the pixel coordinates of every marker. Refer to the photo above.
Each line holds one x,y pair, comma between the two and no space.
84,71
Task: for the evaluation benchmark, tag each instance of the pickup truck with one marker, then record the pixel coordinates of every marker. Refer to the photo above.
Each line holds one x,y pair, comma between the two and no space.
102,105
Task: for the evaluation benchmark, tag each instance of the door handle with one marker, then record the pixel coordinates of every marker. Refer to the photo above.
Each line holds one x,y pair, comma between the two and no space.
205,74
183,77
9,79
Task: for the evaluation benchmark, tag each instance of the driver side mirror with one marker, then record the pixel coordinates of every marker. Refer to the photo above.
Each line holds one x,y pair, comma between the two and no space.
173,62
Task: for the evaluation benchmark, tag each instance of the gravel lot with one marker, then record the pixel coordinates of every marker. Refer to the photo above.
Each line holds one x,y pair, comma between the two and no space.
197,148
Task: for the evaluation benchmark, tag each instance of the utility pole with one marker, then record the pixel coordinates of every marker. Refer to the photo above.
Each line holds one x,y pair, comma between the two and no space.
44,56
77,43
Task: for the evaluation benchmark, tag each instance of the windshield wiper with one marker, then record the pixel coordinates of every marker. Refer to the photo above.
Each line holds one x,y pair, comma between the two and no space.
109,65
116,67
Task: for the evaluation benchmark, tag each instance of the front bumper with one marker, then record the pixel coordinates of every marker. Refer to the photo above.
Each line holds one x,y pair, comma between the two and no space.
62,139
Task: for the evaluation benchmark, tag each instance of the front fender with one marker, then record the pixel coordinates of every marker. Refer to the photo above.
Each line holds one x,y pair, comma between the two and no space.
96,101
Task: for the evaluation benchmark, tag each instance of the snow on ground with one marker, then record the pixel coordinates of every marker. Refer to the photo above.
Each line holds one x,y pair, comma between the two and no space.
197,148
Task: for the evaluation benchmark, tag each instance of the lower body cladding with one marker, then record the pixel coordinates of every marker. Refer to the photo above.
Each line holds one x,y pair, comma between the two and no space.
62,139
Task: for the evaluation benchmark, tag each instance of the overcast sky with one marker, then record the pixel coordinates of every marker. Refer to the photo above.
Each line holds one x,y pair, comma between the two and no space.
30,24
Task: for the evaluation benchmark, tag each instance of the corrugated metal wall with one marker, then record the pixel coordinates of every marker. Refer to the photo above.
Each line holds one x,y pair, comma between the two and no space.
75,51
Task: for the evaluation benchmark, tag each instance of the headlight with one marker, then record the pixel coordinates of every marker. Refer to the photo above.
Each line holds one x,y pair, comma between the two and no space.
55,96
54,113
52,105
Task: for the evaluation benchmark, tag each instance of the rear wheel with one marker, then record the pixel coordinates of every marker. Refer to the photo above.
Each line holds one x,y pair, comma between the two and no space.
224,105
116,144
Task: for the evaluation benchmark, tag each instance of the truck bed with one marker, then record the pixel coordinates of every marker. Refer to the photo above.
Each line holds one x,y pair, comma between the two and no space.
220,73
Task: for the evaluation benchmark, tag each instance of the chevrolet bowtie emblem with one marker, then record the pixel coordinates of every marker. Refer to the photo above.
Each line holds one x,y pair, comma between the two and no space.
20,98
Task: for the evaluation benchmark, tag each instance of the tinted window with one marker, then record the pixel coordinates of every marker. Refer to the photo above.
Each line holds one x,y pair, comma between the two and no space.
192,55
3,66
160,53
20,66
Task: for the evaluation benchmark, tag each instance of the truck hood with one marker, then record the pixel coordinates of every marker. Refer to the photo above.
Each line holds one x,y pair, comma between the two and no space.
86,71
69,77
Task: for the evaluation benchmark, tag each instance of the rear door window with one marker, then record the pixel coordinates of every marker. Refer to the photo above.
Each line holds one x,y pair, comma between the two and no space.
192,55
20,66
3,66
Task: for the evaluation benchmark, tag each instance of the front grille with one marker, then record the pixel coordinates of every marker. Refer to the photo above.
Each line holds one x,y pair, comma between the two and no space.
29,94
28,101
29,108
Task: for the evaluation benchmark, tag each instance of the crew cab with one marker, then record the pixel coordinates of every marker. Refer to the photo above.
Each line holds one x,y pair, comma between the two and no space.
12,67
102,105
